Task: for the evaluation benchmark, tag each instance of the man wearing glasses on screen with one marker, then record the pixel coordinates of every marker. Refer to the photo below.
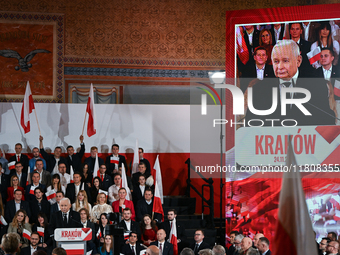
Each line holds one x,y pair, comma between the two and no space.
286,60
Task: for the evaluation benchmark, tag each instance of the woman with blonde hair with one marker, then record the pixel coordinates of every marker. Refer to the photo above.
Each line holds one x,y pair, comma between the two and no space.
100,207
14,186
19,223
266,41
81,202
123,203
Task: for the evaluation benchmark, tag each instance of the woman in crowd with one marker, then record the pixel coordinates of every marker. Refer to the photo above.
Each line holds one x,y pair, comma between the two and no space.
325,41
149,230
107,248
81,202
86,177
97,185
266,41
100,208
123,203
14,186
42,226
56,186
19,223
103,222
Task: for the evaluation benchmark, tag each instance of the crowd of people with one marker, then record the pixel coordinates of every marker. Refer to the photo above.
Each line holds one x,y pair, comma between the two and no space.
284,56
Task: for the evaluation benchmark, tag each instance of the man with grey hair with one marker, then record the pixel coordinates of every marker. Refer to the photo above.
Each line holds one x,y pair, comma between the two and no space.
218,250
268,94
65,218
237,243
205,252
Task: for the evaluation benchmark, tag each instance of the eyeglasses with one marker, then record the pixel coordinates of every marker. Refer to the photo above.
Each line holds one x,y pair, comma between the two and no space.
266,35
237,243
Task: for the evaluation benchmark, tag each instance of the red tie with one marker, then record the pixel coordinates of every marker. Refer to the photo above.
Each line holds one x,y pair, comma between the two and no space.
171,225
18,158
102,177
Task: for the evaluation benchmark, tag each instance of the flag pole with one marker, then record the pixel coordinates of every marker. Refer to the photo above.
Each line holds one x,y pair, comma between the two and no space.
84,124
35,111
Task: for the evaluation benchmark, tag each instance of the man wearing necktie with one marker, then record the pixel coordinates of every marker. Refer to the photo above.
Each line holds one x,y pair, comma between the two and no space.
164,246
132,247
19,157
286,62
199,243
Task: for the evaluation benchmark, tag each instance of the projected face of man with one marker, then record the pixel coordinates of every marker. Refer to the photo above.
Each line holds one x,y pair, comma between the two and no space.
285,63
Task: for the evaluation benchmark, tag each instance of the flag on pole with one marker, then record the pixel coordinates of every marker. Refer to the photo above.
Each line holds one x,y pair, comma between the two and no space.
314,55
26,234
242,50
125,184
158,197
72,173
32,190
28,180
26,110
11,165
135,161
173,236
96,167
294,229
50,194
92,121
99,234
40,231
3,221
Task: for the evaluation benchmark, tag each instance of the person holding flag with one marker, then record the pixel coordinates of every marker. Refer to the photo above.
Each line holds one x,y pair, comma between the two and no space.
33,247
158,199
91,161
20,225
115,161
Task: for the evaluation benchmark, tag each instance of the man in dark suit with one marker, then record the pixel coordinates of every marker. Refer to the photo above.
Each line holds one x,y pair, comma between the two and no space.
141,171
277,31
74,159
52,161
4,181
21,176
145,206
144,160
286,60
55,207
199,244
106,179
18,157
84,220
257,68
128,224
29,250
39,205
14,205
31,187
166,225
296,30
251,37
163,245
73,189
115,161
65,218
263,246
310,31
132,247
91,160
139,189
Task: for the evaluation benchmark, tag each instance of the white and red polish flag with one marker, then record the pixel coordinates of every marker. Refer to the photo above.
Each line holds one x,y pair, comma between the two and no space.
71,174
125,184
173,236
294,229
3,221
158,196
26,234
242,50
40,231
92,121
135,161
28,180
26,110
11,165
99,234
96,167
50,194
314,55
32,190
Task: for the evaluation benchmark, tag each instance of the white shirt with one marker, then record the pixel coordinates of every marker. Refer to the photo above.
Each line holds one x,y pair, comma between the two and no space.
148,202
142,189
277,33
33,249
306,29
128,224
19,177
260,72
250,36
327,73
17,206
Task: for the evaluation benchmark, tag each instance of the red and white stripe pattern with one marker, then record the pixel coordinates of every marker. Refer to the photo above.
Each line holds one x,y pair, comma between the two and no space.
40,231
96,167
26,110
125,184
314,55
73,249
26,234
294,229
11,165
28,180
158,197
99,234
32,190
92,121
173,236
71,174
50,194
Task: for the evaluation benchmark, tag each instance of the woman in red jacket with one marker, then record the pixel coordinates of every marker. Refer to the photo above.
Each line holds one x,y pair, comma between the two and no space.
123,203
